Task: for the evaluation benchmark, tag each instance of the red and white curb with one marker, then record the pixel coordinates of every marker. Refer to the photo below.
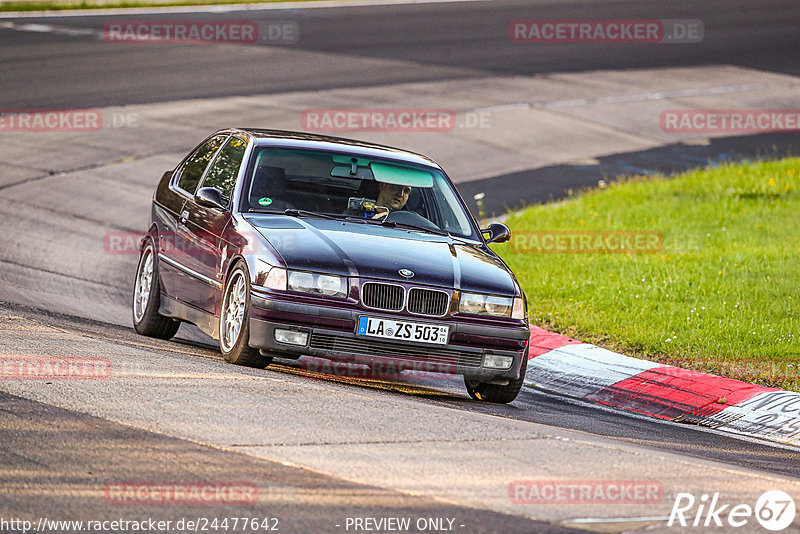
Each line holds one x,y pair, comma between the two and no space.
566,366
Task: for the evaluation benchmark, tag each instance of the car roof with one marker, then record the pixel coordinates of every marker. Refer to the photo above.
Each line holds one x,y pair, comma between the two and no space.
290,139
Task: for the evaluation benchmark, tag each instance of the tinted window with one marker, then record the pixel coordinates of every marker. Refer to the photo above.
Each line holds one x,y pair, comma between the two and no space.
225,169
196,164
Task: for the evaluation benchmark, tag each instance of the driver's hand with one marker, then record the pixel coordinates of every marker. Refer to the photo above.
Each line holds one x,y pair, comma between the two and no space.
382,212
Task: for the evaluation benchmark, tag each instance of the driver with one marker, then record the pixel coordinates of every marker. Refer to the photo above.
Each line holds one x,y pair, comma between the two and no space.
392,196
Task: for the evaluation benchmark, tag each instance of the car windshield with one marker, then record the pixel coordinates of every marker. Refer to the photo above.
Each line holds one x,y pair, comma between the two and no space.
347,186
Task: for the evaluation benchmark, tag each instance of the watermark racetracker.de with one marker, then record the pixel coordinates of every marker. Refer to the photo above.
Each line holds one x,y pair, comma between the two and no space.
587,242
391,120
64,120
623,31
201,32
181,493
195,244
383,369
54,368
729,120
585,492
745,368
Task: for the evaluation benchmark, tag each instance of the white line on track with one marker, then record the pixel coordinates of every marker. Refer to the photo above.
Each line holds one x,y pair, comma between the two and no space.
615,99
276,6
589,520
50,28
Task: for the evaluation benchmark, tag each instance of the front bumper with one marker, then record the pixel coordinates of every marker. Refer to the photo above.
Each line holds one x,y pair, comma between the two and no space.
331,335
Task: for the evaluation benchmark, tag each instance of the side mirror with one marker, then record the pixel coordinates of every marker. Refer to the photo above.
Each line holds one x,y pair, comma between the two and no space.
209,197
498,233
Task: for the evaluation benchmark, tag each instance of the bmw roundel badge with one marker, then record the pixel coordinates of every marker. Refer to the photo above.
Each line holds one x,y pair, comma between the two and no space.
408,273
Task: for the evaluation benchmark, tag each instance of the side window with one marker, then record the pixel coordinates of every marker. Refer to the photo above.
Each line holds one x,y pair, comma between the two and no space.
455,221
225,169
196,164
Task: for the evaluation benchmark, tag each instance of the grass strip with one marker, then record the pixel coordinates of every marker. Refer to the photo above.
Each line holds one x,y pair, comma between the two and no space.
718,294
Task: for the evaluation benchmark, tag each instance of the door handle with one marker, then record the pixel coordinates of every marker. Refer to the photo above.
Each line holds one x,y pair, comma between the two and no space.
184,215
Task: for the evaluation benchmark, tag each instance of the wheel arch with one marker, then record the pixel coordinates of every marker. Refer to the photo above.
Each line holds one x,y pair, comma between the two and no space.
151,233
232,263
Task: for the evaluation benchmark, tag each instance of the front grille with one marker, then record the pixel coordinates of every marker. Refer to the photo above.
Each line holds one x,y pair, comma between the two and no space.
387,297
367,347
428,301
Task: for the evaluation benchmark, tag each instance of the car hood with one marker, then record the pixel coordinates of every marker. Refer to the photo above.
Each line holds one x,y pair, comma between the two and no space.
372,251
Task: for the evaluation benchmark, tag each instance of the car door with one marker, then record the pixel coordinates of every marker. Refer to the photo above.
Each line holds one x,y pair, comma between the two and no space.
211,228
176,250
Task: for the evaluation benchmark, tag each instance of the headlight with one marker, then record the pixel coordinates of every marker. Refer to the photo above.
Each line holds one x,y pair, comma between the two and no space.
318,284
486,304
330,285
471,303
500,306
300,281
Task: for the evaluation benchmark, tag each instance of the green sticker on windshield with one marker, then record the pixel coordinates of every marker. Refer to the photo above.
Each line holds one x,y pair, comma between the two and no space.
265,201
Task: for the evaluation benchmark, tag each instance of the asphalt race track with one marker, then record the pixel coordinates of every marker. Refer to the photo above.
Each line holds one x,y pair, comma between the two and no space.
345,47
323,450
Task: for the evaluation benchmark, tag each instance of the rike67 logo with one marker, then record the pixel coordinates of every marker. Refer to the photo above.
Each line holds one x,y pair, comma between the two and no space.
774,510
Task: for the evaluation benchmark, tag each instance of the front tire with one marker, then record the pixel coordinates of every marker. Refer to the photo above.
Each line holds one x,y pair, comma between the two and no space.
234,324
483,391
147,298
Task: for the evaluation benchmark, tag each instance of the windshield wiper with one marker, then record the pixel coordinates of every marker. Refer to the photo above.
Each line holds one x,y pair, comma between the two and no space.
407,226
292,212
304,213
393,224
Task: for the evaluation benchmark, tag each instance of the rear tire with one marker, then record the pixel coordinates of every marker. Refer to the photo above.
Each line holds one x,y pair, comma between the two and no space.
147,298
234,324
495,393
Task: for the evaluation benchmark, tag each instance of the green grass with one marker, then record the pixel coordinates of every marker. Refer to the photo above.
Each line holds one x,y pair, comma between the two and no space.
62,5
721,296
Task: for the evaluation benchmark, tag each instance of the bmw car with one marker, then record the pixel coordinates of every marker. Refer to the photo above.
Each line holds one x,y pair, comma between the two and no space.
288,245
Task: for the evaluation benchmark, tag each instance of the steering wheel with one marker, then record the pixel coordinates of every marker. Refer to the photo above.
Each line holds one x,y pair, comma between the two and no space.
410,217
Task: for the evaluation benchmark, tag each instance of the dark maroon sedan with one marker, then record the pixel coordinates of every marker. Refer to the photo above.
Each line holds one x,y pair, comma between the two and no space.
285,244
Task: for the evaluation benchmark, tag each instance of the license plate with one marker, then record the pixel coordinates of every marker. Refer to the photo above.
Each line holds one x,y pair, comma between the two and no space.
403,330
